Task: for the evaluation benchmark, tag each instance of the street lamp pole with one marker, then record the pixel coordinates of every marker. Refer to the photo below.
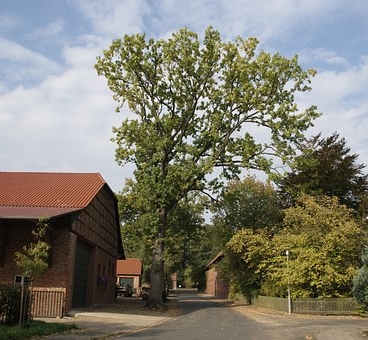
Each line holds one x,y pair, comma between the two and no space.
288,281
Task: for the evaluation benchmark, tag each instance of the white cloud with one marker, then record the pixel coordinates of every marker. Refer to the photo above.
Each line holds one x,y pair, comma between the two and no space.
341,87
62,124
7,21
342,98
114,18
51,30
57,116
21,65
322,55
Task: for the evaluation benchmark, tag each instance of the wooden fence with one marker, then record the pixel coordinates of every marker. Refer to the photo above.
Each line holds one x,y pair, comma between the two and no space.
337,306
332,306
48,302
271,302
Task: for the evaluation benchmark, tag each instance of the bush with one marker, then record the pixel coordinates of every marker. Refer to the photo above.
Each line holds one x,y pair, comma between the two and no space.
10,302
360,282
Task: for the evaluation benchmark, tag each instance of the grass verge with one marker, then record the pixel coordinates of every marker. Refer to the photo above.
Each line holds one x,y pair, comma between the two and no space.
35,329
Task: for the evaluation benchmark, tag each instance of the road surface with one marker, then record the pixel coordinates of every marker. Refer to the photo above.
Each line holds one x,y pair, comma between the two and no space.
206,319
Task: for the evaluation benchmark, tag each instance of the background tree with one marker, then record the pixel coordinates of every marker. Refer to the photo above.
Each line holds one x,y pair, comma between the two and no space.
247,203
192,105
184,232
360,281
324,241
135,232
243,261
327,167
131,212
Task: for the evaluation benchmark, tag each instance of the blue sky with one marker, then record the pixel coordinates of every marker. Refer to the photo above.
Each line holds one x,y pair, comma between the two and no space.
56,114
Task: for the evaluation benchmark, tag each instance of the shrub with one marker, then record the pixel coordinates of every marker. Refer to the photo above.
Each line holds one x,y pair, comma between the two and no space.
10,302
360,282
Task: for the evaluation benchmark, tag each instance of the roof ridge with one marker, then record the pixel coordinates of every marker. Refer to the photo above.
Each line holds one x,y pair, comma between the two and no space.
51,172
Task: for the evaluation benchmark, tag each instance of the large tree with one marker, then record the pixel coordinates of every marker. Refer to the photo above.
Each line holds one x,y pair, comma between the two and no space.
191,106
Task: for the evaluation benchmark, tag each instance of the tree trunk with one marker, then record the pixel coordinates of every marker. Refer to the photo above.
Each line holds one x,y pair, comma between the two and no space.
155,299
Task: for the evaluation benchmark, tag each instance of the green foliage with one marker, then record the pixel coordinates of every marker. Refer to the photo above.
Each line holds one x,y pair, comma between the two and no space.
323,239
137,230
35,330
188,277
244,207
34,259
187,106
184,233
10,298
327,167
242,276
243,261
249,203
360,281
182,238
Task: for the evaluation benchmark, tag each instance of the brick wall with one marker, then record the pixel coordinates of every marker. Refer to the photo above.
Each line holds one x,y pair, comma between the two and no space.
210,282
19,234
215,286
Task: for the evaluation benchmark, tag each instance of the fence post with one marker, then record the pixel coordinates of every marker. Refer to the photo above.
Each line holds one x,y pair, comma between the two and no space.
288,289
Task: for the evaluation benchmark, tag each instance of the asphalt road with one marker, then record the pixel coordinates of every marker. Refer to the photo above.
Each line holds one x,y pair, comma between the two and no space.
205,319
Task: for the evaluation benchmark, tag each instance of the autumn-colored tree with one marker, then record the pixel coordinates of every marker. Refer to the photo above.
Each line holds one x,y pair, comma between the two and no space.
324,242
189,107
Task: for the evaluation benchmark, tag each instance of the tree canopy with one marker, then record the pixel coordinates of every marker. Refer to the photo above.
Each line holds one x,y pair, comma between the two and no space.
324,241
191,106
247,203
326,166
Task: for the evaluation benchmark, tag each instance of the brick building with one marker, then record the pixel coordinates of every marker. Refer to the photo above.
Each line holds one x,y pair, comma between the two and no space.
84,234
215,284
130,271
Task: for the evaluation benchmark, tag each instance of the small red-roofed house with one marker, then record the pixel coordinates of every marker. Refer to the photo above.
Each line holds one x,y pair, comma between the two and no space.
130,271
84,234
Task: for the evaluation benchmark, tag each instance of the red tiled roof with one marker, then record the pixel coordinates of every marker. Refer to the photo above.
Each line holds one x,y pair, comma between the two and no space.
130,266
46,194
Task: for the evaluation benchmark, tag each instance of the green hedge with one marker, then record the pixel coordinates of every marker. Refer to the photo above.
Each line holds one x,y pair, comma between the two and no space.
10,302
